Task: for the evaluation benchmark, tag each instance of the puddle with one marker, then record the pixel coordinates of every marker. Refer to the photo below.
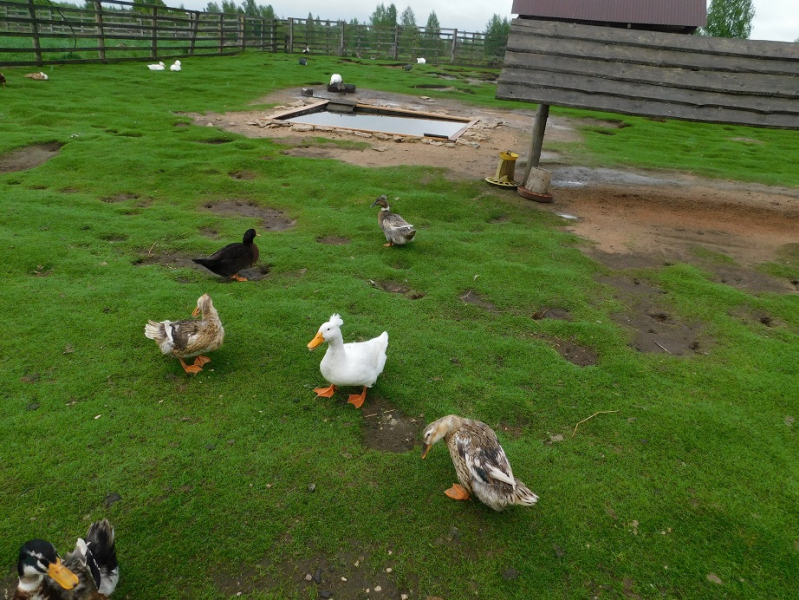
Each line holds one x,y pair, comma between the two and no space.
271,219
386,429
28,157
438,128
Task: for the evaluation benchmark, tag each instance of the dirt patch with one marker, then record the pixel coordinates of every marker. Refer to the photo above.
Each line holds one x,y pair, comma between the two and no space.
654,328
472,297
349,574
333,240
243,175
560,314
271,219
28,157
209,232
573,352
123,197
386,428
395,287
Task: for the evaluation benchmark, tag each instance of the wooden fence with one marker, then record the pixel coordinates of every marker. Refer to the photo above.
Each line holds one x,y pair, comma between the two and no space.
117,30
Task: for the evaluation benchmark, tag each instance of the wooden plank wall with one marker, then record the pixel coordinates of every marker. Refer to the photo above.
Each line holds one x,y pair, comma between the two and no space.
653,74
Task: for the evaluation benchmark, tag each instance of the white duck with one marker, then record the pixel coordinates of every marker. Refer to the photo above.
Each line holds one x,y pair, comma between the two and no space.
352,364
175,66
420,61
159,67
480,463
336,79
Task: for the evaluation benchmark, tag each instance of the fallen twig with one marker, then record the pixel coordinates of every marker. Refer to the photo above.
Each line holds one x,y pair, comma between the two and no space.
661,346
150,251
601,412
372,415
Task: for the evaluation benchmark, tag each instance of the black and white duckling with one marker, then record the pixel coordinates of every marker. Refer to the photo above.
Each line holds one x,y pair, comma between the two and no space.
396,229
352,364
185,339
90,572
480,463
228,261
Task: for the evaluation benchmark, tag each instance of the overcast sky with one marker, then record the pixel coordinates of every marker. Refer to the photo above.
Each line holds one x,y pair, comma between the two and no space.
776,20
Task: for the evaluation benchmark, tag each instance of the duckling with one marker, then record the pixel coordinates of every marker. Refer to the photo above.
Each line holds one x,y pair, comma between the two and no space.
396,229
157,67
352,364
184,339
90,572
228,261
175,66
480,462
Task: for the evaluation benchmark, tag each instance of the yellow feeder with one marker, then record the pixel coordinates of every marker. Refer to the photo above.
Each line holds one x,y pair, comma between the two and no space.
505,171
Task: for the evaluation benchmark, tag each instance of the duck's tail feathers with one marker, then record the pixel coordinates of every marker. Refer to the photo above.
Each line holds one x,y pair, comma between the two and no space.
522,495
102,547
161,333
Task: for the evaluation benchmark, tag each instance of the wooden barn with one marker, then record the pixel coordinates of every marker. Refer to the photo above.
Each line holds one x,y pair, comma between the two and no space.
634,57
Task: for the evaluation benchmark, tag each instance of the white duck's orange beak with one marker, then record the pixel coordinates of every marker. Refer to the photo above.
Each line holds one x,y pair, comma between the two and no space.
319,339
61,575
425,449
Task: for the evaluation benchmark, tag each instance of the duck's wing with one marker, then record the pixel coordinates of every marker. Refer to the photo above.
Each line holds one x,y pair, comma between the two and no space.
480,450
394,222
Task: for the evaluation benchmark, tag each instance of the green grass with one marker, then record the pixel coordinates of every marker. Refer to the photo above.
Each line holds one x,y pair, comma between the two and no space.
213,470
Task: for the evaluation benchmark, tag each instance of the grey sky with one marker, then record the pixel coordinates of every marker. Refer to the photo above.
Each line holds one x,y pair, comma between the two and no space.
776,20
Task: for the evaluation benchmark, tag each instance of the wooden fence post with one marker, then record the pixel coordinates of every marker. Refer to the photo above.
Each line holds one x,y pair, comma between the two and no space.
37,48
241,33
537,141
291,36
395,50
341,42
195,21
98,18
454,43
263,31
221,33
154,48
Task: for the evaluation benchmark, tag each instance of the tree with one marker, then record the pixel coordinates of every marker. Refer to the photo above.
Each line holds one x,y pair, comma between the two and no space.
409,33
496,37
213,7
730,19
431,39
407,18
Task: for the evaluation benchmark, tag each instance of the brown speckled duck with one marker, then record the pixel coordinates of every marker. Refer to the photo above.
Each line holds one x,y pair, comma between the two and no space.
480,462
228,261
396,229
90,572
185,339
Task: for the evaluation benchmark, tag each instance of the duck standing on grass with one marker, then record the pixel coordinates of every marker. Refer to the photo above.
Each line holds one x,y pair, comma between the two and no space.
480,463
228,261
396,229
185,339
352,364
90,572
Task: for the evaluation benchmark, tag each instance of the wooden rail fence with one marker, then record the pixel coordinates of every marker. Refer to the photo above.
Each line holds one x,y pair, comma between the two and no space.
32,33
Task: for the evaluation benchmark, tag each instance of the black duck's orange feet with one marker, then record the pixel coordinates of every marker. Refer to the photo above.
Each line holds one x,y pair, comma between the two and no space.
457,492
326,392
238,277
201,361
357,400
190,369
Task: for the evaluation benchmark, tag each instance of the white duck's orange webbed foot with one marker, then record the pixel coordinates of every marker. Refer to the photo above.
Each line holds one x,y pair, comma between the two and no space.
457,492
357,400
190,369
201,361
387,244
325,392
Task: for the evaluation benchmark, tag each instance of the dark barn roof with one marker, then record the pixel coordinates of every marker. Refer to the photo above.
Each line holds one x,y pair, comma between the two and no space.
668,13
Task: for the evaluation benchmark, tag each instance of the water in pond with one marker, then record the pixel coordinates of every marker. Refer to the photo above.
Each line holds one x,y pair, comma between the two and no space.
382,123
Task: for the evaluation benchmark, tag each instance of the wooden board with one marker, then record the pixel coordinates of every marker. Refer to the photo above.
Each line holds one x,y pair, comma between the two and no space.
652,74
